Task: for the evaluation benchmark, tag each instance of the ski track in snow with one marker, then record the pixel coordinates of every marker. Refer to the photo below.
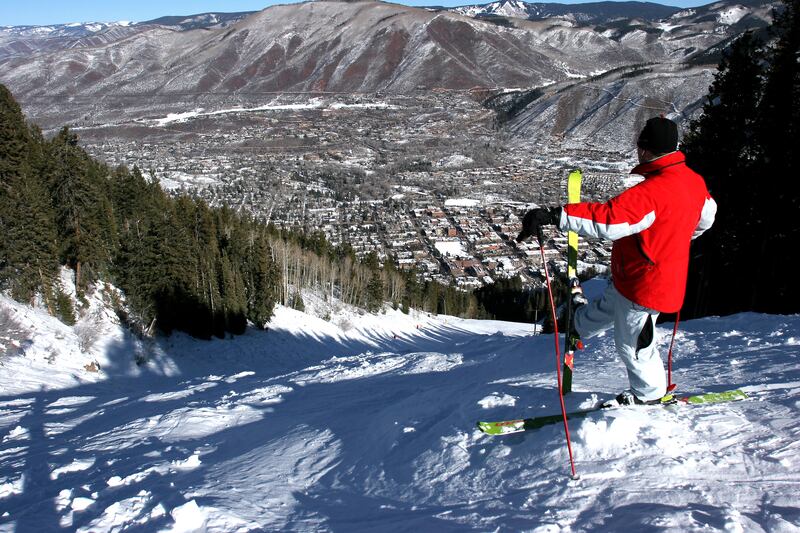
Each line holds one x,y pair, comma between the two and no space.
370,427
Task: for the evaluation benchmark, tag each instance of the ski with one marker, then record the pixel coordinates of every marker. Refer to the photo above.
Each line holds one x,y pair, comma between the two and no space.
506,427
571,342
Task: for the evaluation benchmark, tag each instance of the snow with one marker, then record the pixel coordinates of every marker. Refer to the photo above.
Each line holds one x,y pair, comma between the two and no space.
497,400
732,15
462,202
174,179
665,26
314,103
366,422
454,161
452,248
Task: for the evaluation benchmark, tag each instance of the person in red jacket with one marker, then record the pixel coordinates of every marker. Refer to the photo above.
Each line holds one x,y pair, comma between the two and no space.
652,225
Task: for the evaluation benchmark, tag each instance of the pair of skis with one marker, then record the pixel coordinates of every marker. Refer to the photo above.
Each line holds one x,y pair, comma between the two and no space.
573,194
507,427
572,342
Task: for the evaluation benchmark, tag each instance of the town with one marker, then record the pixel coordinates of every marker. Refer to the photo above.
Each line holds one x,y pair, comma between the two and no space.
429,181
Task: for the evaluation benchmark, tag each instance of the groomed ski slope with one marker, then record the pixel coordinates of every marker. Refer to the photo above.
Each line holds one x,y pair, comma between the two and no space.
367,423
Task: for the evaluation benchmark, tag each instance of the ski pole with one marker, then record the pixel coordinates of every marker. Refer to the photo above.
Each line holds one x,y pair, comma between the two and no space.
558,359
670,385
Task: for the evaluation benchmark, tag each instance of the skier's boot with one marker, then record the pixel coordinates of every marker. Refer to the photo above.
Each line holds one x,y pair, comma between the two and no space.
578,299
627,397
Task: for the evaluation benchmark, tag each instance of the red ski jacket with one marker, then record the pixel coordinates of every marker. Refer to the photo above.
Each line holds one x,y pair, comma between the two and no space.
652,225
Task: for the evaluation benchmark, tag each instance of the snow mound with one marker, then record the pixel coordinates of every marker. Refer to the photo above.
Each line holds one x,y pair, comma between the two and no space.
497,400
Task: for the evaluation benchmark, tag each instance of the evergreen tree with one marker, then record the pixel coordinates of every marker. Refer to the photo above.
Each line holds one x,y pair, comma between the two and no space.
160,277
412,295
743,146
723,146
263,281
13,136
779,127
431,296
81,210
374,294
28,258
779,110
234,301
30,235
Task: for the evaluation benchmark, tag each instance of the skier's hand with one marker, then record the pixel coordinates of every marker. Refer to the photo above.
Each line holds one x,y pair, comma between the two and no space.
534,219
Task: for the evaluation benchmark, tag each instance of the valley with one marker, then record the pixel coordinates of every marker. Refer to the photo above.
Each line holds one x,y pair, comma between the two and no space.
421,135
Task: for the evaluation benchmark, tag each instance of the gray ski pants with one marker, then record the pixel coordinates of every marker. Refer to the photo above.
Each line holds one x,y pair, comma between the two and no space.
634,336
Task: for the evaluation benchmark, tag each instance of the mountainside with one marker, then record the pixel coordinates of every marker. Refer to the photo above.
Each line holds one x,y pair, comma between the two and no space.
602,112
349,47
66,31
366,422
590,12
25,40
327,46
203,20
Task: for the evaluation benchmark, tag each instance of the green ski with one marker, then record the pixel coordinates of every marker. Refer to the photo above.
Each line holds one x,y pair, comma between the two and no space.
506,427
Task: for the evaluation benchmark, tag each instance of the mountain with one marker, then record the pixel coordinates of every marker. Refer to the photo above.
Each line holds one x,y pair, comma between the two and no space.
590,12
601,112
72,30
83,29
201,21
347,47
25,40
366,422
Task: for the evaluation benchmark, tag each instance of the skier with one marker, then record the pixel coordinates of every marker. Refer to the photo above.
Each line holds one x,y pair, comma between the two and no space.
652,225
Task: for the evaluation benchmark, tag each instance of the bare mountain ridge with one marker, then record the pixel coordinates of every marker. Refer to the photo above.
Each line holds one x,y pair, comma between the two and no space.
351,48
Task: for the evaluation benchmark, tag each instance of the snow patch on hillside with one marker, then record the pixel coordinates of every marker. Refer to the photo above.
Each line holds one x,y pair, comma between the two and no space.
313,103
732,15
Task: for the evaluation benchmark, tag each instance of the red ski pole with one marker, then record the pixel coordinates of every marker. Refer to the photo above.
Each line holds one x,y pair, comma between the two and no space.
558,359
670,385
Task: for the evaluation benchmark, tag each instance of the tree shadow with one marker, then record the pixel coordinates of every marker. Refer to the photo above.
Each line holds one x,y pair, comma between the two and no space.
39,515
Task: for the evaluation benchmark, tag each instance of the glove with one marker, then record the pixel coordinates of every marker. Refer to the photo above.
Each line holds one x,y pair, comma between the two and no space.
534,219
576,293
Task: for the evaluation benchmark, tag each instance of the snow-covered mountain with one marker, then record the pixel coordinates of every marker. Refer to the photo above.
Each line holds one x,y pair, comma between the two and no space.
83,29
601,111
201,21
71,30
590,12
355,47
367,423
26,40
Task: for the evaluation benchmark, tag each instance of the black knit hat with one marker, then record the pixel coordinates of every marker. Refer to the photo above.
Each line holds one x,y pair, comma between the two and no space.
660,136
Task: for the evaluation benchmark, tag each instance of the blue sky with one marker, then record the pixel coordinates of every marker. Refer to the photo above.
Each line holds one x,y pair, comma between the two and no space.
40,12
